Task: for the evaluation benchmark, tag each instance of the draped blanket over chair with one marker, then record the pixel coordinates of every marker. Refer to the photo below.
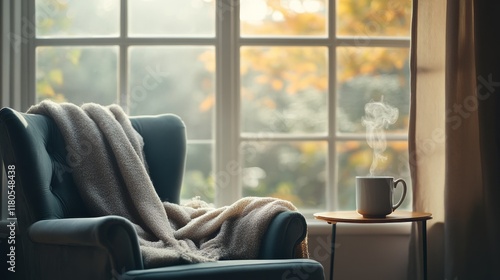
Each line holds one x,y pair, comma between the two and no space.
111,176
98,198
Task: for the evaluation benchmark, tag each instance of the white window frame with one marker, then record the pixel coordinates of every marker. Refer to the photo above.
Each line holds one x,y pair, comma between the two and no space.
227,164
228,156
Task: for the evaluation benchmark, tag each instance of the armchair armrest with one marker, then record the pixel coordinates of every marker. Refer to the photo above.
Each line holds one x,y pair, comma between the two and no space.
283,235
84,240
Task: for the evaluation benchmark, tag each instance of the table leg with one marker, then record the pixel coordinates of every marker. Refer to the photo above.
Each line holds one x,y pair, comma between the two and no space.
332,255
424,251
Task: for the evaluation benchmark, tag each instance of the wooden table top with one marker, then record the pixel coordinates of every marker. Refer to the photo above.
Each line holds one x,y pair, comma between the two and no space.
355,217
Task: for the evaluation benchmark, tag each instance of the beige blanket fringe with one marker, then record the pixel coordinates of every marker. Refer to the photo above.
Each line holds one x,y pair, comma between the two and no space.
107,162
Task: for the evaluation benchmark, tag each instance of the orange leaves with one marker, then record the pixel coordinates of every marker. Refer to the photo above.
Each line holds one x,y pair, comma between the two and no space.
56,76
390,15
400,146
289,18
277,85
300,69
355,61
311,148
285,190
373,17
286,69
207,103
44,89
208,60
349,146
305,23
262,79
268,103
359,154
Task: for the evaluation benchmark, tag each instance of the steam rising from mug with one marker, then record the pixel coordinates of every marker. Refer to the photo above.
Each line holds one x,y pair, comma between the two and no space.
378,117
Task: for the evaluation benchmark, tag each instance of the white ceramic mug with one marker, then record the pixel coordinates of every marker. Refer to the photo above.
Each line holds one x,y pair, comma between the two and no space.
374,195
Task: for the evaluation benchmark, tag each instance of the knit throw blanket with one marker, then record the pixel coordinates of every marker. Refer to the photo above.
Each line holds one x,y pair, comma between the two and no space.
110,172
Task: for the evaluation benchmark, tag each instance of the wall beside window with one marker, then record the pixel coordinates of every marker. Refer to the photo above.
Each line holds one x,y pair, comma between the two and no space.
362,252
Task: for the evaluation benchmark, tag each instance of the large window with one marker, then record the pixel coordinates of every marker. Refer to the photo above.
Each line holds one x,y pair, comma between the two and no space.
272,92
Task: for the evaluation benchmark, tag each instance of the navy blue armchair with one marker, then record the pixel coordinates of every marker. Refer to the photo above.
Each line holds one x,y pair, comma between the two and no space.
57,239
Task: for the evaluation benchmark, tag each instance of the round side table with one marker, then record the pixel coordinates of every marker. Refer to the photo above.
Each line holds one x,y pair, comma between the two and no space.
396,217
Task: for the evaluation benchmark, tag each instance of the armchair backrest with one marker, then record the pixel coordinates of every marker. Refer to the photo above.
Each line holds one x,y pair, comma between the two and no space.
33,147
43,162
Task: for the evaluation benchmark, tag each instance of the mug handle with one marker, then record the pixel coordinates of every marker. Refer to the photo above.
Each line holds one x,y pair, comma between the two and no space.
394,207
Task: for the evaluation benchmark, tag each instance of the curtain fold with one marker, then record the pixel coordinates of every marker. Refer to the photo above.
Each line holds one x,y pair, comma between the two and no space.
464,222
427,131
487,44
453,136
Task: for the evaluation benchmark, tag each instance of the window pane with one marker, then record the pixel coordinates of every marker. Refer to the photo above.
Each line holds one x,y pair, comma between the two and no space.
89,18
174,79
77,74
373,17
198,177
283,17
295,171
165,18
371,74
284,89
354,158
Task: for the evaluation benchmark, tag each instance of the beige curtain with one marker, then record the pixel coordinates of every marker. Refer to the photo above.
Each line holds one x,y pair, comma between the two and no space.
453,137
